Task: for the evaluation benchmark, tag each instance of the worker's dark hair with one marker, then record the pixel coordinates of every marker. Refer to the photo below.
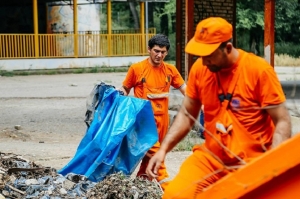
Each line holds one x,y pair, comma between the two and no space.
223,44
160,40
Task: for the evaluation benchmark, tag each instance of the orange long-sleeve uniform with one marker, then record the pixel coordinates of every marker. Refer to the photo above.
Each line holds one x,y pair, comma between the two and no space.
153,83
257,87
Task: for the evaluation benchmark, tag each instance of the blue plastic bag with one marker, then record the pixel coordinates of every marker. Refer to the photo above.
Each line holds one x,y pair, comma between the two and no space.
122,131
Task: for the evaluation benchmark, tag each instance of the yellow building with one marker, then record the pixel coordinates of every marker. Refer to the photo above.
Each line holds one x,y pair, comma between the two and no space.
43,40
34,32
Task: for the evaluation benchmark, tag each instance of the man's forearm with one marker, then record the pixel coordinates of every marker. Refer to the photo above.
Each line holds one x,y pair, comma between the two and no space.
282,132
179,129
282,120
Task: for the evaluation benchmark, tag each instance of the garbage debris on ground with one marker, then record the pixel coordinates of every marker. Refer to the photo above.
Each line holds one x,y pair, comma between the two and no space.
120,186
20,178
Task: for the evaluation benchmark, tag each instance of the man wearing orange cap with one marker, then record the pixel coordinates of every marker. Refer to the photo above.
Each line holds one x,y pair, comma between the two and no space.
151,80
244,111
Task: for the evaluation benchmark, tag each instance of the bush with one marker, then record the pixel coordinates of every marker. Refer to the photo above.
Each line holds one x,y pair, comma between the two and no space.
287,48
172,51
243,38
281,48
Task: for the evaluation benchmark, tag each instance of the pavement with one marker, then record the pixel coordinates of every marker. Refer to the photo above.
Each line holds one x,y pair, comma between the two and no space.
55,105
50,109
80,85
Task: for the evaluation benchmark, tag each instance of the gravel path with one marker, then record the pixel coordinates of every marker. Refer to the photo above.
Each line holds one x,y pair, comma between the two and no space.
50,111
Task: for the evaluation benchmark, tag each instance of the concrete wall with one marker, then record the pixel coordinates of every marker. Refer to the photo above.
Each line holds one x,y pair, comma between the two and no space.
27,64
220,8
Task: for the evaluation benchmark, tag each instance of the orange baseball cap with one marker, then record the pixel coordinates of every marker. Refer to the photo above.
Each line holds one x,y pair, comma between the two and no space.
209,35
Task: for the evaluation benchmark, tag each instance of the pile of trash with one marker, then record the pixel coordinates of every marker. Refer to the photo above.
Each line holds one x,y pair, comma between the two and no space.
120,186
20,178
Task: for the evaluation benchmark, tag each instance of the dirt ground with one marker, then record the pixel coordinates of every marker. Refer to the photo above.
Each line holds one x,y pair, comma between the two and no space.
42,117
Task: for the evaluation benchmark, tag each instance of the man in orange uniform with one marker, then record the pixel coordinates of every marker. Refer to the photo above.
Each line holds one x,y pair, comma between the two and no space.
244,111
151,80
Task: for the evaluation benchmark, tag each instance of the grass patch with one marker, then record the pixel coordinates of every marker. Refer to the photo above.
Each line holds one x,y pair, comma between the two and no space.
188,142
63,71
79,71
289,48
286,60
6,73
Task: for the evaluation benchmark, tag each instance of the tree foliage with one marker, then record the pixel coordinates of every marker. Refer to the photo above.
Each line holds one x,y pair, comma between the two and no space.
249,20
250,15
170,8
250,25
287,20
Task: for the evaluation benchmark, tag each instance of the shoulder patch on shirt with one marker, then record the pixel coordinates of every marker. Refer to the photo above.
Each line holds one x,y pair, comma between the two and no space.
235,102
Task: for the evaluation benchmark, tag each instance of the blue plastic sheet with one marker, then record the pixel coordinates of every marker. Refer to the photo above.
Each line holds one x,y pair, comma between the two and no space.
123,129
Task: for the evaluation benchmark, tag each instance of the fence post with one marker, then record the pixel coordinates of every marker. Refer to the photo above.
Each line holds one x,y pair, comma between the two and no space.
109,27
189,29
75,25
35,28
269,31
142,26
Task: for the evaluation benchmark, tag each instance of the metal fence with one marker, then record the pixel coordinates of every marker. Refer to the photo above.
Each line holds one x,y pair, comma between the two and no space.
83,44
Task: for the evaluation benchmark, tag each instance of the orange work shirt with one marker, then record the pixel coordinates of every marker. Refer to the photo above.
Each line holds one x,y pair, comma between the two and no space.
257,87
147,79
156,77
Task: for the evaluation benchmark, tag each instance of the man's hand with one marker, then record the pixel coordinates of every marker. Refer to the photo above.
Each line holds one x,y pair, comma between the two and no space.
124,90
182,89
155,163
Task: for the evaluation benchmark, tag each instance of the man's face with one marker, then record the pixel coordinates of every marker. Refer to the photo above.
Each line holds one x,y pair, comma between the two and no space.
157,55
216,61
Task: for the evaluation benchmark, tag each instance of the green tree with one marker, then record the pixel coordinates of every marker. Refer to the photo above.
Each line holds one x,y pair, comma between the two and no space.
250,24
166,15
124,15
134,13
169,10
287,20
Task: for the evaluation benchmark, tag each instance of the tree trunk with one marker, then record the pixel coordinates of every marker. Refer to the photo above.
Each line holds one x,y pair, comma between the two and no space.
150,15
134,15
255,39
164,21
173,18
